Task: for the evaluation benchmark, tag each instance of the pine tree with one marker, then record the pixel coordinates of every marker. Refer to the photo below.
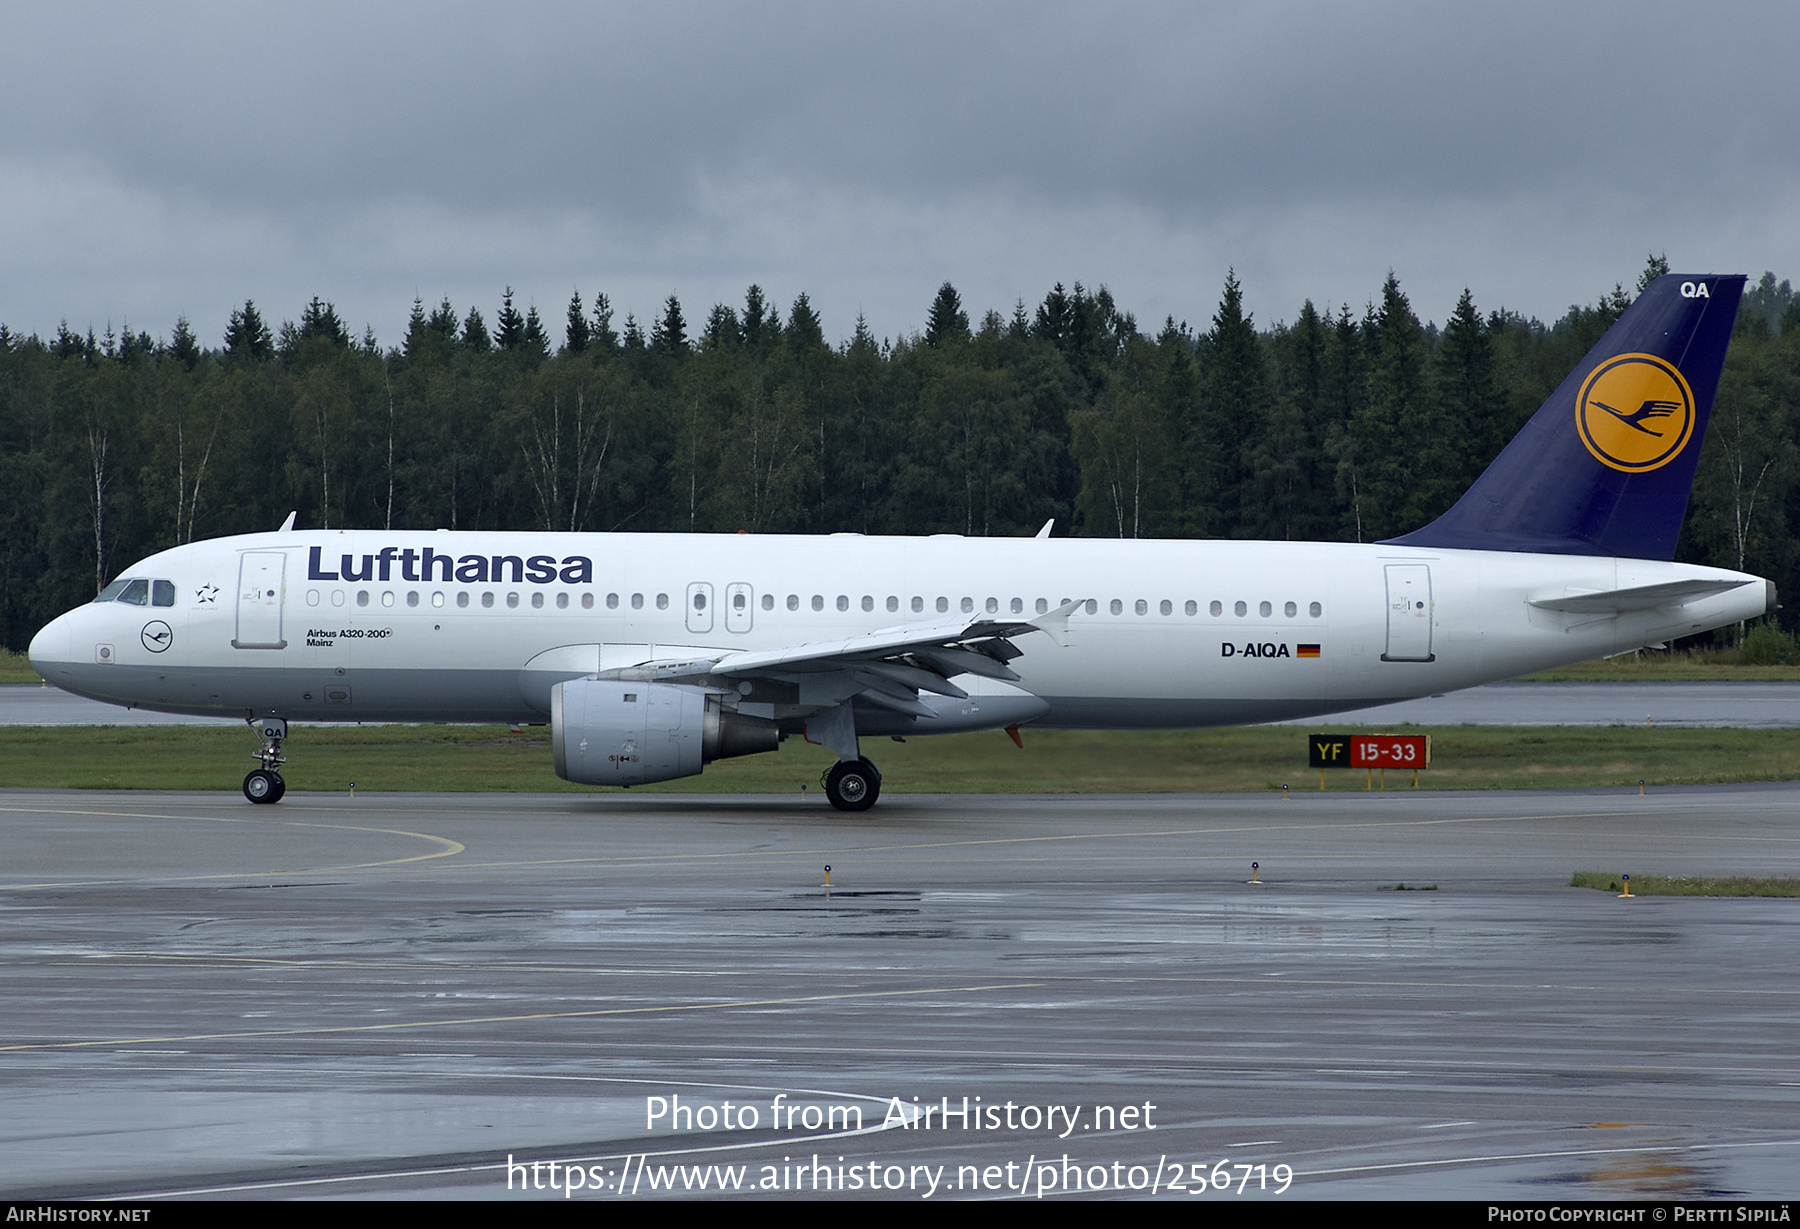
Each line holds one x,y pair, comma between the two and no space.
246,336
575,331
722,330
533,341
509,326
756,310
804,332
948,323
475,334
1474,427
603,337
1654,267
669,335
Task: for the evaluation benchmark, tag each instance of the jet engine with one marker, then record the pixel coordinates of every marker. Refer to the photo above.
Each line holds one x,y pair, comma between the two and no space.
632,733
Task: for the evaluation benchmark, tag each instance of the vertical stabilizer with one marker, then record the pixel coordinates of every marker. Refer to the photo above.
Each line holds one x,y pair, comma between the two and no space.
1606,464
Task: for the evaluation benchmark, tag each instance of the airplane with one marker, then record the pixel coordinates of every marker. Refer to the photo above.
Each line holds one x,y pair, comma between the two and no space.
652,655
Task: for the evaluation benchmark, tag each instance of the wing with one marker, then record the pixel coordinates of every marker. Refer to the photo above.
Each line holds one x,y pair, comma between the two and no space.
887,668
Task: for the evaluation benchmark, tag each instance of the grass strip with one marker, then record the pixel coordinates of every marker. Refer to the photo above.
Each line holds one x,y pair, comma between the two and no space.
1666,885
1250,759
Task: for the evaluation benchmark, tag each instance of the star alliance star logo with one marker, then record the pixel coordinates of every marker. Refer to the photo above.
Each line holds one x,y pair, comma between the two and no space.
206,594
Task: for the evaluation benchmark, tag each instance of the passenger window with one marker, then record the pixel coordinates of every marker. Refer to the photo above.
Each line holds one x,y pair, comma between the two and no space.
462,600
437,599
487,600
1192,608
993,605
163,593
612,601
412,597
1216,609
1043,605
1142,607
362,597
1315,610
793,601
868,603
1018,605
968,605
387,598
312,597
1240,609
699,601
1290,610
739,601
637,601
512,601
843,603
918,605
1265,610
1093,605
1116,606
818,602
1166,607
768,601
662,601
943,604
337,597
537,601
893,604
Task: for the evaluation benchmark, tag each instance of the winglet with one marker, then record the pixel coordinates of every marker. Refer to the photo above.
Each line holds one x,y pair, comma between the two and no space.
1045,531
289,523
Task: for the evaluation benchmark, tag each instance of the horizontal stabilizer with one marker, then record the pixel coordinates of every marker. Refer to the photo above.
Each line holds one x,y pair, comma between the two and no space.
1643,597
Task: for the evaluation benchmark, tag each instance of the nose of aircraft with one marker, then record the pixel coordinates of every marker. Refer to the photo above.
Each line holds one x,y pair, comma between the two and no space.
50,647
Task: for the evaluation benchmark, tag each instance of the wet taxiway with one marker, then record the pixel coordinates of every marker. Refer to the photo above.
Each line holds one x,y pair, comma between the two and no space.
392,995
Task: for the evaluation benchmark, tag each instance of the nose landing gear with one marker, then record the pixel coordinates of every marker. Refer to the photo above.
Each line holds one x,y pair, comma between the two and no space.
264,785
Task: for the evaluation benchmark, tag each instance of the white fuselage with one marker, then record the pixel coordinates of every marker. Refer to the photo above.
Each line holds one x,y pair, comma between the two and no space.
1178,633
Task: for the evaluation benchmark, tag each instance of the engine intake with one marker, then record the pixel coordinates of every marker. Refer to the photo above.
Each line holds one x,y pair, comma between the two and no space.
631,733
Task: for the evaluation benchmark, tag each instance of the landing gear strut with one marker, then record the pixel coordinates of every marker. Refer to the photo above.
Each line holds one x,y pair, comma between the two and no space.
264,784
852,785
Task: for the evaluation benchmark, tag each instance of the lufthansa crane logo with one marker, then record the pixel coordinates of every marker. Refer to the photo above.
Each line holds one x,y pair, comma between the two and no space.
1635,413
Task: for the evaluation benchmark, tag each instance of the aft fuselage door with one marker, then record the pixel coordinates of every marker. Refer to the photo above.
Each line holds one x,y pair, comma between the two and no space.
738,601
1409,612
262,585
699,607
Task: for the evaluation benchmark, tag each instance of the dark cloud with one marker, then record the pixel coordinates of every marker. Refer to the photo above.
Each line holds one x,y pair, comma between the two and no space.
865,153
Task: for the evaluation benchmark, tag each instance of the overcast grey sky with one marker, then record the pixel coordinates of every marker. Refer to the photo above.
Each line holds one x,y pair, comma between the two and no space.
176,159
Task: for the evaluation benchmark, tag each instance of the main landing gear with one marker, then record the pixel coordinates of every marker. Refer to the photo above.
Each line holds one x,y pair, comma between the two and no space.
852,785
264,784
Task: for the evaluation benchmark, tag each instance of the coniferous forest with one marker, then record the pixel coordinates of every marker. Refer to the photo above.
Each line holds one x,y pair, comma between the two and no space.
1346,424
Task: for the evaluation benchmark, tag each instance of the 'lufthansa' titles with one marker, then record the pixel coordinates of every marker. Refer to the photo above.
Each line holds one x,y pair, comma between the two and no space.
427,565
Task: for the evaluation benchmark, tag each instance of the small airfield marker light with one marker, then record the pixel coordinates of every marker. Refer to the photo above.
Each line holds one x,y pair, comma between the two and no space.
1254,867
1626,880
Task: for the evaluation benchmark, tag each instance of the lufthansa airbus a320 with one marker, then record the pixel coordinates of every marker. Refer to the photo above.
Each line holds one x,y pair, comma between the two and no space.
651,655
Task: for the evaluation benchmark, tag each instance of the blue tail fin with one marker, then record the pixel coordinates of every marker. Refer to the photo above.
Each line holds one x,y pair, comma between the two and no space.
1605,465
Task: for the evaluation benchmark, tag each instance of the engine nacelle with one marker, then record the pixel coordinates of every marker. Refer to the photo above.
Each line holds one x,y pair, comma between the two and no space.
611,733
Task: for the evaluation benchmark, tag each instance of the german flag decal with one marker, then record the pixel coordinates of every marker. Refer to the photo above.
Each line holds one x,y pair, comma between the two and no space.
1306,650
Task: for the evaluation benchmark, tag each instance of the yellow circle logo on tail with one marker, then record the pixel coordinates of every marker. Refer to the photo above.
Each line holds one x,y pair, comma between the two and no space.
1635,413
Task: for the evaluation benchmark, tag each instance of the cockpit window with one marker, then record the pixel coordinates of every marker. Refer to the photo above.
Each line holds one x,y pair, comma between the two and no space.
112,591
137,593
162,593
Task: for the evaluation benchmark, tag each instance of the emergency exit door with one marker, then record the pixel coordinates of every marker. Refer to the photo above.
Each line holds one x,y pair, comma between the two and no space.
1409,612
